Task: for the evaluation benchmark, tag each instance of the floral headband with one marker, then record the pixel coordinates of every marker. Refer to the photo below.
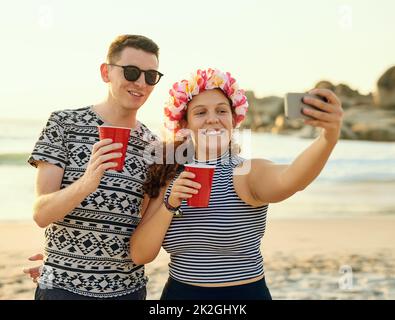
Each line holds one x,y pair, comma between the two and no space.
182,92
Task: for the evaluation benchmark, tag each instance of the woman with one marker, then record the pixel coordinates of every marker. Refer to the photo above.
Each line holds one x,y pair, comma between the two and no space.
215,251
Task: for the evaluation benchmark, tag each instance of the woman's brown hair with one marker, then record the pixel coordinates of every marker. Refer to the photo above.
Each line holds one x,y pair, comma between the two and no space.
160,173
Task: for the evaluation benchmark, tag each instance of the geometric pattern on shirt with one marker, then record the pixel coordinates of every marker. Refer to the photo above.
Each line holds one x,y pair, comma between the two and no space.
87,244
94,237
96,284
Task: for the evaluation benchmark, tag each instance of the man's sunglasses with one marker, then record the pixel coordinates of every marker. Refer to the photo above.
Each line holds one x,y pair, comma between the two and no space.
132,73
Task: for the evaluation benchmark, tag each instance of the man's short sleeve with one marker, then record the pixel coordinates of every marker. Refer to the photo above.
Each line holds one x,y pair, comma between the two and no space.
50,146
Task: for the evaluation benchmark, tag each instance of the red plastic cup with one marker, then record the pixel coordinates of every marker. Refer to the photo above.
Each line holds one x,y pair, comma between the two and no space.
203,175
118,135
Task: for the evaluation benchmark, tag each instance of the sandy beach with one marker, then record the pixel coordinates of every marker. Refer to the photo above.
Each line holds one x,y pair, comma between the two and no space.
350,258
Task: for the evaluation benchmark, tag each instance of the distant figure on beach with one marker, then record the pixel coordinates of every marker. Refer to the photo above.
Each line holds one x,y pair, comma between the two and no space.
215,250
90,213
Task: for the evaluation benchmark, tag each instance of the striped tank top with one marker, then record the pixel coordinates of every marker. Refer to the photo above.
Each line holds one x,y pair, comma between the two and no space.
220,243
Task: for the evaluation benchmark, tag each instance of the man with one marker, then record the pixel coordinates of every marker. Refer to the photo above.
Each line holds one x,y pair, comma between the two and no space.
89,212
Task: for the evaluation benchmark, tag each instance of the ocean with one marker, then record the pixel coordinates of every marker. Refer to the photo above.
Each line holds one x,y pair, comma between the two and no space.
358,179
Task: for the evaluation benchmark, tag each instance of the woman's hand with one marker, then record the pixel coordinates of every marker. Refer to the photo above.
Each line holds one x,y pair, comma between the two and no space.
183,188
331,116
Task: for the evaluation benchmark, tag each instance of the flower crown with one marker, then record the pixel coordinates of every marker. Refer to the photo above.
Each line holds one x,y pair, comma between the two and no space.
182,92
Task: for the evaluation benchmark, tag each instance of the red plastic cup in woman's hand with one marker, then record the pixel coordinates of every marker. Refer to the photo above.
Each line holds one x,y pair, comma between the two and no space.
118,135
203,175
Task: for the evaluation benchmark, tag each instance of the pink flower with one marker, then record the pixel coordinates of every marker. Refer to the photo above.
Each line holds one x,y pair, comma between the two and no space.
239,118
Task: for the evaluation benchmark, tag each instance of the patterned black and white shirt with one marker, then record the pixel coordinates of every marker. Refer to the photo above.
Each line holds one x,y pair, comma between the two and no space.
87,252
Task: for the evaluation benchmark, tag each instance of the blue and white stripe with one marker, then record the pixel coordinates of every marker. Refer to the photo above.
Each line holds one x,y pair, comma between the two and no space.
220,243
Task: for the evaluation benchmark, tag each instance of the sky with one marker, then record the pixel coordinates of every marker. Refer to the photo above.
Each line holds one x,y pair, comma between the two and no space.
51,50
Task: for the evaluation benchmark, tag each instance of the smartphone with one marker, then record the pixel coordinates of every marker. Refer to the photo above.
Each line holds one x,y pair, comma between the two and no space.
293,105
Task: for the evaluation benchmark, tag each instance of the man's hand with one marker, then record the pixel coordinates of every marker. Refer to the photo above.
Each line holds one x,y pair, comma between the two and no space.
34,272
98,162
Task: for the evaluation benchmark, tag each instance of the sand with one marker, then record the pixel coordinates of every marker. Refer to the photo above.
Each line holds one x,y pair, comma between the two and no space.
350,258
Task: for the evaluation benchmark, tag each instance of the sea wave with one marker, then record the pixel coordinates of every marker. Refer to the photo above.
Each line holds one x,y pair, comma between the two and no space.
16,159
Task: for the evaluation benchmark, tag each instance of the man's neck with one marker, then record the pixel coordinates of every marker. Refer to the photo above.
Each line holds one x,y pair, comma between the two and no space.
115,115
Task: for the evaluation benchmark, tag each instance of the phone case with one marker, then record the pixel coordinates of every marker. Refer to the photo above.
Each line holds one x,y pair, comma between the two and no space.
293,105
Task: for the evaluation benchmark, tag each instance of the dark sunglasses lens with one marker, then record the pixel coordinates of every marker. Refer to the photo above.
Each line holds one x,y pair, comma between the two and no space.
132,73
152,77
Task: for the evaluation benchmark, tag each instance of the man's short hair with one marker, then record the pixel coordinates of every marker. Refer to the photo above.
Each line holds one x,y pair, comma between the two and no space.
130,41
